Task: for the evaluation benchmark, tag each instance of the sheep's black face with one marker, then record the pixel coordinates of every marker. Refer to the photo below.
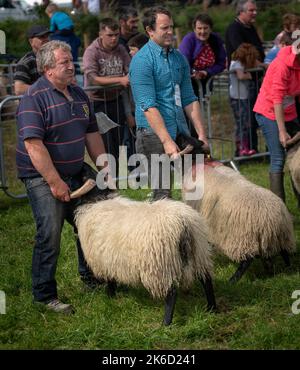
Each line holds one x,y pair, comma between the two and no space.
96,194
183,140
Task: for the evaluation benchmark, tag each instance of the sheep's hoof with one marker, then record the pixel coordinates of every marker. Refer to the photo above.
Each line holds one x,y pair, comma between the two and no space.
243,266
111,288
169,306
209,292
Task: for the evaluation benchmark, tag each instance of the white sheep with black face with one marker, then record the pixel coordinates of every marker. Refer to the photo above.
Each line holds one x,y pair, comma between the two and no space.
161,245
244,220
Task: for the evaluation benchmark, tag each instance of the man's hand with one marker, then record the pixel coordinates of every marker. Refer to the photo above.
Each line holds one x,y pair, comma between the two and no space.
283,137
60,190
205,146
124,81
199,75
171,148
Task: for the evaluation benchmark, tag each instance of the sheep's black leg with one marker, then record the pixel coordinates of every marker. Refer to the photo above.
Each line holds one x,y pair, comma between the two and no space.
285,256
268,265
243,266
111,288
170,305
297,195
209,292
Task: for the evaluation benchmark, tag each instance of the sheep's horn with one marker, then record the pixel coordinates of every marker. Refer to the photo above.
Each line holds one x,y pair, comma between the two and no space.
294,139
188,149
85,188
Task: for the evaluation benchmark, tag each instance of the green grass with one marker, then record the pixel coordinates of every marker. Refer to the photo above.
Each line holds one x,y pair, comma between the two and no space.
254,314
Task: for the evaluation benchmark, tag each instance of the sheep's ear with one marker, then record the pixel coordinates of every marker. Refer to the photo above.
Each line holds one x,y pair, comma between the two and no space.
84,189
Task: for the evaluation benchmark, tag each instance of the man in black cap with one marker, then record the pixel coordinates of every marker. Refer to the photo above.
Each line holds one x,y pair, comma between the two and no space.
26,71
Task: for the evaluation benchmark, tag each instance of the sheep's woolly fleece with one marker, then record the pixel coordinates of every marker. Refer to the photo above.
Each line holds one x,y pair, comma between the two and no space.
244,220
293,164
139,242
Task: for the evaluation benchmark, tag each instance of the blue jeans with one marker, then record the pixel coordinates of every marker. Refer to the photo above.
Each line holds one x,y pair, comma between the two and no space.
49,214
271,133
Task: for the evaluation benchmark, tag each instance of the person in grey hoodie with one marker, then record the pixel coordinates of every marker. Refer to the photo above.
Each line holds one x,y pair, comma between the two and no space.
105,63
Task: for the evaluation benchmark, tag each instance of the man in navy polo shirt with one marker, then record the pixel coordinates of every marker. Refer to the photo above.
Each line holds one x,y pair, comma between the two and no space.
55,123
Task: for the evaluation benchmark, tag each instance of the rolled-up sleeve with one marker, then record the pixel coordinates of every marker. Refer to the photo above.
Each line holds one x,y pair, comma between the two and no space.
187,92
142,83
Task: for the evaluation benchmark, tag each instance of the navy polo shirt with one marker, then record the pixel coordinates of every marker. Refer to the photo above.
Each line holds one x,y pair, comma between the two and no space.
45,113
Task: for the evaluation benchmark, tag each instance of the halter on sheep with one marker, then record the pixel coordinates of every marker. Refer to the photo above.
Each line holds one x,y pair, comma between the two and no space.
244,220
161,244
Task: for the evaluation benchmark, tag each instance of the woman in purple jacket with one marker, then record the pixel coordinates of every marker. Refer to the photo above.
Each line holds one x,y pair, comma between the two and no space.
204,51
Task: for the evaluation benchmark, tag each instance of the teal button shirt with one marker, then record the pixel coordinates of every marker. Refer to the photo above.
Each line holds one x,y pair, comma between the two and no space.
154,74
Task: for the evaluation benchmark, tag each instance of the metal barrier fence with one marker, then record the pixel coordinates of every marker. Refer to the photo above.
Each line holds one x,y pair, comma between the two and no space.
8,134
225,130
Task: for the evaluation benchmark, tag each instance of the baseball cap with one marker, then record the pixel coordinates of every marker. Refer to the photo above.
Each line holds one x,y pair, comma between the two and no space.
37,30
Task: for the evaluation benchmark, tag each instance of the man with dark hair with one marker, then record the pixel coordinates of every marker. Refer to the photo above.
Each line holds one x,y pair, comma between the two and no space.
26,71
105,62
162,90
55,124
128,20
239,31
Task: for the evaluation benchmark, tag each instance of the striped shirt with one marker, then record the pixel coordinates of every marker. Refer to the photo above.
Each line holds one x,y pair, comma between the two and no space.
154,78
26,69
45,113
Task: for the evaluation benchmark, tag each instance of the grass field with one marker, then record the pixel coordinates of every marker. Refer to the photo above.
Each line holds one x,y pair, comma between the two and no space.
254,314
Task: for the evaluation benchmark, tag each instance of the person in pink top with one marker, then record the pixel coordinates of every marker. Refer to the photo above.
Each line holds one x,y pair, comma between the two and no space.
276,110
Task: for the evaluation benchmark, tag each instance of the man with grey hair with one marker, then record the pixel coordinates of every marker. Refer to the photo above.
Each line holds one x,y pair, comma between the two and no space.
55,122
242,30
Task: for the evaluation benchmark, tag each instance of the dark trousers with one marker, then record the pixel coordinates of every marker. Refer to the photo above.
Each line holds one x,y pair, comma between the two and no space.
49,214
147,143
241,112
114,137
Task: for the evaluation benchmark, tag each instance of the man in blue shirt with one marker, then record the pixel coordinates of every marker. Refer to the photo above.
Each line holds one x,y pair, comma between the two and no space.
62,27
162,90
55,123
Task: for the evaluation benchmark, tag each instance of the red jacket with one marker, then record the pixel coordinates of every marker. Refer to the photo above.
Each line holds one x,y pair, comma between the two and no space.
281,84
